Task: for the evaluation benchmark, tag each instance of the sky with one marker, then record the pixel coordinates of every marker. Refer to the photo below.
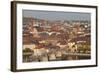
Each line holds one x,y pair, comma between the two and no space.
55,15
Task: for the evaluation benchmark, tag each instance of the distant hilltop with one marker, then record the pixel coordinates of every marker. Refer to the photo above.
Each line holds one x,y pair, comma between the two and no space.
56,15
31,19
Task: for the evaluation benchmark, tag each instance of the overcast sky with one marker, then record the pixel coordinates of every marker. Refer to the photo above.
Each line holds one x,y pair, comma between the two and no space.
53,15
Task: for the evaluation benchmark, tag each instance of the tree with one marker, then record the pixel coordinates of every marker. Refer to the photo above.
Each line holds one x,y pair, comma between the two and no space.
27,50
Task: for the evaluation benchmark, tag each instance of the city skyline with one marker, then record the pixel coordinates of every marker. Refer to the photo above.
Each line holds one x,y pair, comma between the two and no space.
56,36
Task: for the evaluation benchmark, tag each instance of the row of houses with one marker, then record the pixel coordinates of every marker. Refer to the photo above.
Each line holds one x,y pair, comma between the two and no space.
43,36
